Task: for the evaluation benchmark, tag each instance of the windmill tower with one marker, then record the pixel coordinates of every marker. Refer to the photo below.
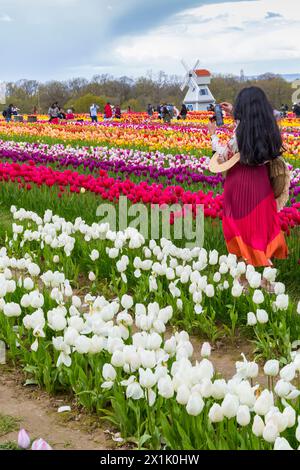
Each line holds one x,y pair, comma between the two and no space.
199,96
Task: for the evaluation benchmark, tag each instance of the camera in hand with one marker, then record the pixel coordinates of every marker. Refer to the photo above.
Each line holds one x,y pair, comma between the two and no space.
218,114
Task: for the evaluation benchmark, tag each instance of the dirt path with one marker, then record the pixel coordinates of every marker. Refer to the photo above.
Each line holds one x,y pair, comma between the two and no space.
38,414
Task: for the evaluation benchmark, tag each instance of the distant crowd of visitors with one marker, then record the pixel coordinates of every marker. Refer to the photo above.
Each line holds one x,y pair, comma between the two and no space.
165,112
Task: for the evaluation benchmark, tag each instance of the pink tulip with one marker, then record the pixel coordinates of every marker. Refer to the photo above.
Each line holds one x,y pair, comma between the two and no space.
40,444
23,439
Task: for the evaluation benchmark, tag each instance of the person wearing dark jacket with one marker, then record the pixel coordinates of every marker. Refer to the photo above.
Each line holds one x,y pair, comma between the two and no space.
296,109
183,112
8,112
118,113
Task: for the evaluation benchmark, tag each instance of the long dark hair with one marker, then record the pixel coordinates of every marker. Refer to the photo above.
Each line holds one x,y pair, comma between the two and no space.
258,134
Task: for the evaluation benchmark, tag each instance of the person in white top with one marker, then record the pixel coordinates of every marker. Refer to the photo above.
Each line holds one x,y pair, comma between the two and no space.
93,112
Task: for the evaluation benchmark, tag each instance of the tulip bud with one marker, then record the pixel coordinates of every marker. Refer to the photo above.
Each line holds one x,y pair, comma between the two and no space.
251,319
258,297
23,439
243,415
195,404
205,350
262,316
258,426
270,432
230,405
215,414
282,444
271,367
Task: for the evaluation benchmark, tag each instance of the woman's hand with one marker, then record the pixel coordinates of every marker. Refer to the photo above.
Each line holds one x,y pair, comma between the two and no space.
227,107
211,126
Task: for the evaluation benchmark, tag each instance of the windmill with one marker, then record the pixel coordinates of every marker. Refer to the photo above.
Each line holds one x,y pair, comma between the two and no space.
199,96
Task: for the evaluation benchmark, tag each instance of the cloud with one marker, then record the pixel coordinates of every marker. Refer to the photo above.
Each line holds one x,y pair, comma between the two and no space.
270,15
63,38
5,18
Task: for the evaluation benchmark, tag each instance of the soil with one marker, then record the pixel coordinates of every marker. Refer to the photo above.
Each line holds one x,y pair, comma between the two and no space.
37,413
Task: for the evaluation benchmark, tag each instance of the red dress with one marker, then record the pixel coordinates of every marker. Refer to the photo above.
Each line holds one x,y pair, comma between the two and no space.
250,219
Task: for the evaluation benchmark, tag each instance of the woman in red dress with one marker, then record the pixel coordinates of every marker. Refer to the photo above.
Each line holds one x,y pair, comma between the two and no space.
251,224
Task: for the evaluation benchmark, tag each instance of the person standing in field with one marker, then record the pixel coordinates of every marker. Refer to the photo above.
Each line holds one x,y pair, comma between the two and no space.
94,112
251,222
183,112
53,112
118,113
107,111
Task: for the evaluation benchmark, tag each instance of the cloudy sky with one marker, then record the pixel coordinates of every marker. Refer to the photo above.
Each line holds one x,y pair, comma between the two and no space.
48,39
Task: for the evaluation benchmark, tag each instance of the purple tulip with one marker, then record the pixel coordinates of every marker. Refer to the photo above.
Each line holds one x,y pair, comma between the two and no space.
40,444
23,439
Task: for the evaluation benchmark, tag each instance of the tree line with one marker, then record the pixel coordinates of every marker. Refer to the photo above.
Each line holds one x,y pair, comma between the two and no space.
80,93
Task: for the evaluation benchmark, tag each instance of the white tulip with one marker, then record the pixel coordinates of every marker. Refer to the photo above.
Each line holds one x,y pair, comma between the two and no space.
255,281
290,414
270,432
298,308
205,350
262,316
195,404
109,372
258,297
170,345
183,394
237,289
165,387
134,391
271,367
146,378
298,430
148,359
270,274
243,415
213,257
118,359
70,336
245,393
251,319
279,288
264,402
33,269
219,389
258,426
12,309
127,301
28,283
230,405
94,255
209,290
288,372
215,414
82,344
92,276
282,301
282,388
282,444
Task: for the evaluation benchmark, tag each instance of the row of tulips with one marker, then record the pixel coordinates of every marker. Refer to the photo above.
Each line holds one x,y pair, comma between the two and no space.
108,188
184,169
202,287
151,136
118,355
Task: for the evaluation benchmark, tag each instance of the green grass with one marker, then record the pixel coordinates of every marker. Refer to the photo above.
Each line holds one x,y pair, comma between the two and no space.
8,424
9,445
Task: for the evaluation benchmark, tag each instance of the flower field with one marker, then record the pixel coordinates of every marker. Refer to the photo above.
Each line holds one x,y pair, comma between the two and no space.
109,314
